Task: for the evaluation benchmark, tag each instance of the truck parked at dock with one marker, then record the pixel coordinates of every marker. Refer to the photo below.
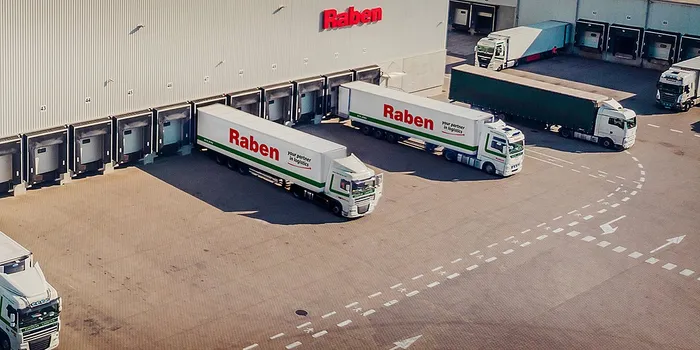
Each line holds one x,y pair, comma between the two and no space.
310,167
578,114
679,87
467,136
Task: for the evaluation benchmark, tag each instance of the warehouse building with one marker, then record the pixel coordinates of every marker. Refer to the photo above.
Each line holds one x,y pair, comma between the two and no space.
647,33
89,85
482,16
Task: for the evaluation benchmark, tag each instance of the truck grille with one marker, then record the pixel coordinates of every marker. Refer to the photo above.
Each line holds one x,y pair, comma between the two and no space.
39,332
361,209
668,98
40,344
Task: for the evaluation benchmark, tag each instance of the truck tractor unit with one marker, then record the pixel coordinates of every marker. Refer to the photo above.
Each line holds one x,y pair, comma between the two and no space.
679,86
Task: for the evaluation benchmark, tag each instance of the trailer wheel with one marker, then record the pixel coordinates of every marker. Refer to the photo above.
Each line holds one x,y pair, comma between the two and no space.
378,134
220,159
565,133
231,164
336,208
366,129
449,155
4,342
243,169
489,169
392,138
607,143
297,192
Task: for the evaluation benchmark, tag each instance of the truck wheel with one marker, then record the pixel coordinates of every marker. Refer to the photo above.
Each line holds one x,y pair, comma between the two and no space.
243,169
366,129
489,169
685,108
220,159
392,138
336,208
4,342
231,164
607,143
565,133
449,155
297,192
378,134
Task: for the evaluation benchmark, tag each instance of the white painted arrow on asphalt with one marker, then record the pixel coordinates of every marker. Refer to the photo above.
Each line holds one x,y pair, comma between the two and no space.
404,344
607,229
674,240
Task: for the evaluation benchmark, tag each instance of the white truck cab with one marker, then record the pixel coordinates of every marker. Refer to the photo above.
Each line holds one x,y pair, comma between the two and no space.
614,123
354,185
677,88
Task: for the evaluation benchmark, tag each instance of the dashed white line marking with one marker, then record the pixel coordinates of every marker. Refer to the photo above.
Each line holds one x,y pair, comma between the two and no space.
618,189
635,255
508,251
601,211
293,345
634,193
452,276
639,187
696,135
610,195
588,217
669,266
651,261
320,334
542,237
600,200
603,244
303,325
642,172
602,172
611,181
677,131
625,199
344,323
390,302
588,239
640,166
593,176
654,126
412,293
251,347
396,286
573,223
456,260
615,205
558,230
351,305
687,272
277,336
368,312
416,277
547,155
375,295
474,253
544,161
434,284
576,171
635,159
437,269
525,244
526,231
585,206
573,233
585,167
628,152
620,177
492,245
328,315
619,249
491,259
542,224
509,238
472,267
573,211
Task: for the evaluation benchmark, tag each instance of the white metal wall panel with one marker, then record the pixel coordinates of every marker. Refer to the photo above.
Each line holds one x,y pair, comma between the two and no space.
627,12
128,55
534,11
674,17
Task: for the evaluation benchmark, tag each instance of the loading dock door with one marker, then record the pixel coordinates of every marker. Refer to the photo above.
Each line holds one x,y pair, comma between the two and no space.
10,163
309,95
590,36
371,74
461,16
658,45
690,47
278,103
91,146
196,104
47,155
333,81
483,18
134,135
248,101
173,127
624,42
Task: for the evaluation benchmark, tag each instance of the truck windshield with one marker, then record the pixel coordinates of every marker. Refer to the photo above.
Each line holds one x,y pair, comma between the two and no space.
631,123
485,49
363,187
671,89
32,316
514,148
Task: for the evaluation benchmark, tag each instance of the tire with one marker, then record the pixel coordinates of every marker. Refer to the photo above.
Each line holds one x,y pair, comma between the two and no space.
297,192
489,169
220,159
565,133
5,342
607,143
430,148
500,68
366,129
685,108
449,155
391,137
232,164
336,209
378,134
243,169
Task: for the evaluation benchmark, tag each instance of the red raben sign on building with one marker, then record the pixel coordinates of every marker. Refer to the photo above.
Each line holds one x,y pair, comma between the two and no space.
333,19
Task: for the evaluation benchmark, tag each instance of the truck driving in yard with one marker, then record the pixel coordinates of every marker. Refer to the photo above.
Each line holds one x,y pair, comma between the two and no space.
509,47
310,167
29,305
578,114
679,87
467,136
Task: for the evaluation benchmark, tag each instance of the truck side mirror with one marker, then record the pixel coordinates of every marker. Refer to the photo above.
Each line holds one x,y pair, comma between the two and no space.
13,319
687,89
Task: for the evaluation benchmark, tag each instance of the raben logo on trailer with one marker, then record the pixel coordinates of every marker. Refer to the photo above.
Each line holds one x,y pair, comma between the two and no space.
406,117
250,144
352,17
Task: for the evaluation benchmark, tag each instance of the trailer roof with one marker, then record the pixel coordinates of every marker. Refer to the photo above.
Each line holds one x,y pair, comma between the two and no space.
693,63
405,97
531,83
535,26
269,128
9,249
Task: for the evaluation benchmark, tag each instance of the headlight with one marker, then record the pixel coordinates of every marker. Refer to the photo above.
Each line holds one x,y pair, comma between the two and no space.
658,95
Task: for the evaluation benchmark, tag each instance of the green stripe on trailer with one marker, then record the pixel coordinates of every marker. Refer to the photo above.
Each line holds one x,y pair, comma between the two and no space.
414,132
263,163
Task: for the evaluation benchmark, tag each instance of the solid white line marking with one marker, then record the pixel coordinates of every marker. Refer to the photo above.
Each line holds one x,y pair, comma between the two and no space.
303,325
588,217
585,167
585,206
437,269
251,347
557,218
434,284
391,302
619,249
555,158
456,260
635,255
492,245
351,305
545,161
293,345
368,312
474,253
525,244
588,239
452,276
558,230
620,177
654,126
669,266
328,315
576,171
615,205
634,193
344,323
396,286
601,211
412,293
491,259
526,231
651,261
320,334
611,181
375,295
542,237
508,251
416,277
472,267
542,224
625,199
687,272
635,159
676,131
603,244
610,195
571,212
277,336
573,233
509,238
573,223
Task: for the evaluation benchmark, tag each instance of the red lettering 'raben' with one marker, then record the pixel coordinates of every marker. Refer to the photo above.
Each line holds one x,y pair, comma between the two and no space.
252,145
333,19
407,118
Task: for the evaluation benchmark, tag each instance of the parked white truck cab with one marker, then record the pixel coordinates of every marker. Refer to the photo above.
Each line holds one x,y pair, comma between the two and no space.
679,87
29,305
467,136
311,167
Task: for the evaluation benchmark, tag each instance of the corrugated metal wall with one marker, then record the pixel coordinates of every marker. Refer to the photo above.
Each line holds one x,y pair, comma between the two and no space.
534,11
66,61
626,12
674,17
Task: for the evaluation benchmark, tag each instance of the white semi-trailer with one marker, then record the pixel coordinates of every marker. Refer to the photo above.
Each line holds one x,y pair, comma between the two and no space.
310,167
467,136
30,305
679,87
